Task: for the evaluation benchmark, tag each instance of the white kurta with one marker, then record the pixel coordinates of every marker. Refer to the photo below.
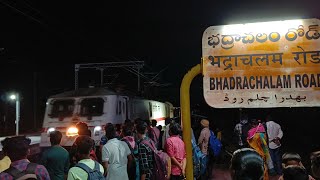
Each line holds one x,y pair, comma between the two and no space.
115,152
274,131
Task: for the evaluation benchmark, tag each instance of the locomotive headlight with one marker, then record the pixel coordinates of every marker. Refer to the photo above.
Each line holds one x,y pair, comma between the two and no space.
51,130
96,130
72,131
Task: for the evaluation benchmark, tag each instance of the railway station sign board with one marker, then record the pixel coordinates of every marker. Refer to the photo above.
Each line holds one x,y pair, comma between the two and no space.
260,65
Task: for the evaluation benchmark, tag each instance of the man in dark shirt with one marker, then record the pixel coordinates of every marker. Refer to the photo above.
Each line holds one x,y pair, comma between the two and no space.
144,152
155,133
56,158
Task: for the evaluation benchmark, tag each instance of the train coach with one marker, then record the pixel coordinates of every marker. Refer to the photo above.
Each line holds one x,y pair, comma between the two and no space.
96,107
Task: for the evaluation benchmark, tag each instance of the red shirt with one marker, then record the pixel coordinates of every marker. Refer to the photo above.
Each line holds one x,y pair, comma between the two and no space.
175,148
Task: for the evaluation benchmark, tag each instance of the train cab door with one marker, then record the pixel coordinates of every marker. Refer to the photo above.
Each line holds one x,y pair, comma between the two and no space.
122,108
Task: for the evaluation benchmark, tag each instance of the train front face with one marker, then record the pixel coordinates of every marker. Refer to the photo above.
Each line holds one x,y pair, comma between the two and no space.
63,114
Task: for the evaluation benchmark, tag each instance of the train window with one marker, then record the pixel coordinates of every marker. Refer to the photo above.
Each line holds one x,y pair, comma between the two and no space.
119,107
123,107
150,109
62,108
91,107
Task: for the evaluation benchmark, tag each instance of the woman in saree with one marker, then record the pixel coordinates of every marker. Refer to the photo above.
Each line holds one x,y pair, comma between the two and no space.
257,140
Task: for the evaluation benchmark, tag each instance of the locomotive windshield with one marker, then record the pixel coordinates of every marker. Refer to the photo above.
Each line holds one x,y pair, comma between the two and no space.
91,107
62,108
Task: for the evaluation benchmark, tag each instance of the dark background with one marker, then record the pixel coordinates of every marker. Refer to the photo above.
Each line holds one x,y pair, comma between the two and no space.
41,41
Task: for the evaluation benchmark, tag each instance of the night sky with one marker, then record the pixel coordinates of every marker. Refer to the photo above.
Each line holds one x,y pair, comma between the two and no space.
41,41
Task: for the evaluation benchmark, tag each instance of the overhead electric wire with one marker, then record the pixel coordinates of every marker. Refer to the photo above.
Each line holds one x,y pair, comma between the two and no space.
26,3
21,12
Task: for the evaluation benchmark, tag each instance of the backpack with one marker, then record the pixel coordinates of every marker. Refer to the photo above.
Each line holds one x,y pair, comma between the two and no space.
153,137
160,158
94,173
200,160
214,144
28,174
134,168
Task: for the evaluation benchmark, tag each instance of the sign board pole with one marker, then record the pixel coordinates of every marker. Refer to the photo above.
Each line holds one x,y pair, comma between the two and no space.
186,117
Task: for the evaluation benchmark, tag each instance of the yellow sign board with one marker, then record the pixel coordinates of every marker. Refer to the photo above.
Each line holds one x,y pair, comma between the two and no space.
268,64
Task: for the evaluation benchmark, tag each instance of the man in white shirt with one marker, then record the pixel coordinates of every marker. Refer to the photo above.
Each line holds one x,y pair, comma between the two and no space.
116,156
274,134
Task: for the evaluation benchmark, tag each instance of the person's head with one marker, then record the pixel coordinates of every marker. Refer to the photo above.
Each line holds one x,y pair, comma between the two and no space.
84,145
127,121
82,128
137,120
293,172
269,118
141,128
291,159
153,123
55,137
167,121
315,164
105,127
110,131
159,127
244,119
147,121
16,147
176,120
254,122
204,123
118,129
247,164
174,129
127,129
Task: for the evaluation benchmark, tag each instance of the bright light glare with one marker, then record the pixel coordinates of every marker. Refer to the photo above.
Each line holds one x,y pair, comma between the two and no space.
51,130
97,128
262,27
72,131
13,97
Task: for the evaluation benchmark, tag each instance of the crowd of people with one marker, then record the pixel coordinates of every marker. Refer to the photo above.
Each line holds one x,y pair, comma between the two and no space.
140,150
258,155
128,152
